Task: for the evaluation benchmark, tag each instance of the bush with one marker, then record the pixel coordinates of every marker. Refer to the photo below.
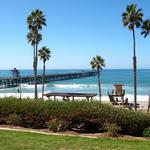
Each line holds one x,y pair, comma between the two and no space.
112,129
56,125
2,121
82,115
92,126
146,132
33,122
14,119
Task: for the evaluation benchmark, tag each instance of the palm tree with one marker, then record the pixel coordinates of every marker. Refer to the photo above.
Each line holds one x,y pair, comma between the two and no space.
132,18
44,54
35,21
98,63
145,32
146,28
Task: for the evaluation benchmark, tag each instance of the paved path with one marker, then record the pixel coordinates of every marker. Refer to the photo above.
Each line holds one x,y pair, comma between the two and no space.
48,133
71,134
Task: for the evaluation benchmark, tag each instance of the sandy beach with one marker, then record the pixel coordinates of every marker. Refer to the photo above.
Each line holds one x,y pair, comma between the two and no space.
141,99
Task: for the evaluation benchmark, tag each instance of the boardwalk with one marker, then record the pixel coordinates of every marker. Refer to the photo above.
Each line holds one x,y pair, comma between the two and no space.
15,81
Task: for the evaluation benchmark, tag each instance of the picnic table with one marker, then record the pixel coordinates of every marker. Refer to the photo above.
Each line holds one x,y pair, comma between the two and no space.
66,96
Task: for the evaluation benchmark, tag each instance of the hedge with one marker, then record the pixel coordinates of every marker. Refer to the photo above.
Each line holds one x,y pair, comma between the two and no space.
90,116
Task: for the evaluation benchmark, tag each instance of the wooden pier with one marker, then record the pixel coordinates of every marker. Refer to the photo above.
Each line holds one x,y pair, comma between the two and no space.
9,82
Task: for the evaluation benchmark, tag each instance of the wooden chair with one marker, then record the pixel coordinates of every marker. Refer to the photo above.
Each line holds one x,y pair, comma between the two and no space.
112,100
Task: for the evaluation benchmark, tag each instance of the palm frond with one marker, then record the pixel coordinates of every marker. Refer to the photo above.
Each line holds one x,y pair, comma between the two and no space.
44,53
146,28
36,20
132,17
33,38
97,62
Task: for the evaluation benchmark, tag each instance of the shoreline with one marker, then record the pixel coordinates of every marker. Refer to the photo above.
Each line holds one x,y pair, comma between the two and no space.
141,99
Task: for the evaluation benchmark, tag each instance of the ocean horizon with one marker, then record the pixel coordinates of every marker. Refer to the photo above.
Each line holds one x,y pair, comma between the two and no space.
109,77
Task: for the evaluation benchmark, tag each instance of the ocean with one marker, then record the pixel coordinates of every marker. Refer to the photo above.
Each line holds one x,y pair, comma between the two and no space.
109,77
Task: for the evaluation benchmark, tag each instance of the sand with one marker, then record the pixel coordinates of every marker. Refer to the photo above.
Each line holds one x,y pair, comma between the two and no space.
141,99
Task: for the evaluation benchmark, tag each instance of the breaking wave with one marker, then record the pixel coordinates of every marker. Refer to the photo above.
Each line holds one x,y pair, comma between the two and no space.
75,86
31,85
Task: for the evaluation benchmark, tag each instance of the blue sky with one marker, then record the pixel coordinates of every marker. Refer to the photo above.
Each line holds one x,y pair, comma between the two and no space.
76,31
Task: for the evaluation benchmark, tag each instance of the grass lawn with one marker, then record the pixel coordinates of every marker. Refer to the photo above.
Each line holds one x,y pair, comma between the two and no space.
13,140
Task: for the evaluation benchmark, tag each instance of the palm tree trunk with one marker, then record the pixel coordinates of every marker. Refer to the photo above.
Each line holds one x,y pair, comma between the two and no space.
33,52
34,68
33,57
134,70
20,90
148,104
43,79
35,71
99,84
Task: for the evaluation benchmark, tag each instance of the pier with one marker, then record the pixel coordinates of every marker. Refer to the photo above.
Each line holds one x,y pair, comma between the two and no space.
9,82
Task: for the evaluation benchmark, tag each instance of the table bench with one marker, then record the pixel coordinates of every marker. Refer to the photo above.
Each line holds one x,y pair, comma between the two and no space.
66,96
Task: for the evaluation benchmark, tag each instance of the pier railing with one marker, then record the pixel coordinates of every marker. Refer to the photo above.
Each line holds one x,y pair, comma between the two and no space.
9,82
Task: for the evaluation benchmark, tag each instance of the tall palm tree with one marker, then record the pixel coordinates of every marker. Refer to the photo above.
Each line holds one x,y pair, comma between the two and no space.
145,32
98,63
132,18
44,54
35,21
146,28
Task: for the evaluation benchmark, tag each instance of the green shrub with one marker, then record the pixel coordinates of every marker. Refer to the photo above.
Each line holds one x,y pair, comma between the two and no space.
14,119
112,129
56,125
33,122
146,132
2,120
92,126
90,115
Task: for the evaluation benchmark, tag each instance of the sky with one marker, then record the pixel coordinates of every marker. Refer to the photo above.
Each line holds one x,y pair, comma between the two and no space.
76,31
